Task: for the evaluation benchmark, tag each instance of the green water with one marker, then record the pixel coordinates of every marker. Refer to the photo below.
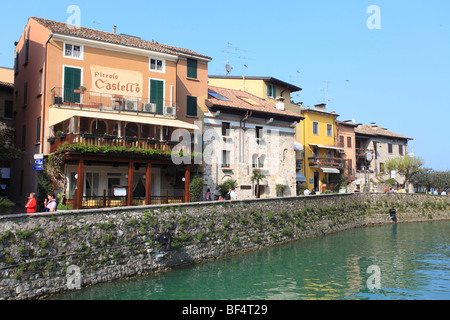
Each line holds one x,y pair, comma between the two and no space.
413,260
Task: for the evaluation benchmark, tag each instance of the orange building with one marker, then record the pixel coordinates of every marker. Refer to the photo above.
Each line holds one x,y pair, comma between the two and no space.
104,105
346,139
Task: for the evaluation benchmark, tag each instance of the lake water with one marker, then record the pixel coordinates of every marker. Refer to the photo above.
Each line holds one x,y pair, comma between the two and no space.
403,261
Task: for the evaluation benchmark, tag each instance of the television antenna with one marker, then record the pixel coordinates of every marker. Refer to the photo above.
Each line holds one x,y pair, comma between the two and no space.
228,67
244,57
325,91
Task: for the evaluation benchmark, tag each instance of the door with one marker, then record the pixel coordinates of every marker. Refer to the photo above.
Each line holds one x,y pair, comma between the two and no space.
316,181
157,94
72,81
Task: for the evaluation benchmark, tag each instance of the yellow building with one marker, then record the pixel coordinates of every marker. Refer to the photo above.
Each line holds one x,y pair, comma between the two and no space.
274,90
322,157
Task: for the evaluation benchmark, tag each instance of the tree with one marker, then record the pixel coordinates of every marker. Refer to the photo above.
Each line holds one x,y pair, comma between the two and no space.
406,166
7,149
196,189
225,186
257,176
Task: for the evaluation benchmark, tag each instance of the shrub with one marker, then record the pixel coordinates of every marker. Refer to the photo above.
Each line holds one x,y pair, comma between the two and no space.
196,189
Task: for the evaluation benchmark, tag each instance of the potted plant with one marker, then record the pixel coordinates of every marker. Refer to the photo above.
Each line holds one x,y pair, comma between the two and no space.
51,139
107,136
152,140
60,135
131,139
280,189
80,90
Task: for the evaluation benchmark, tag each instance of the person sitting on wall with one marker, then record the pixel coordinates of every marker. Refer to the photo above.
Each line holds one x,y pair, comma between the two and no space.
31,203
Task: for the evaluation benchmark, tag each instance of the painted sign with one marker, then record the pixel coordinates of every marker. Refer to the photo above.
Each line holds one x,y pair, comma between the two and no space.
37,167
117,81
39,161
38,156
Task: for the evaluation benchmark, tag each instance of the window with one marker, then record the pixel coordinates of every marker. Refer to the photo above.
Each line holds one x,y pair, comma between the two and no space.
381,167
41,82
25,93
16,64
38,130
72,81
329,130
389,148
226,158
91,184
259,132
271,91
191,106
192,68
400,150
349,142
341,141
315,128
73,51
27,49
329,154
8,109
157,95
24,135
225,128
157,65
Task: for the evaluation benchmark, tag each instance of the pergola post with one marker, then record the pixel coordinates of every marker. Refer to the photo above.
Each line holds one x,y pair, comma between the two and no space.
187,181
78,203
130,183
148,184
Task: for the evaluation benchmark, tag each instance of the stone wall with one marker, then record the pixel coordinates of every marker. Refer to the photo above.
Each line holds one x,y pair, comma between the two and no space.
38,252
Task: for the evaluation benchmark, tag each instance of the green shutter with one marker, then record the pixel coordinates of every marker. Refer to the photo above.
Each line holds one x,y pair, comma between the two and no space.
274,92
191,106
72,81
157,95
192,68
269,90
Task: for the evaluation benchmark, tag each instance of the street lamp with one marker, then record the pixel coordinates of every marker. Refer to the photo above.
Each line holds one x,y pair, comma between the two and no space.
368,160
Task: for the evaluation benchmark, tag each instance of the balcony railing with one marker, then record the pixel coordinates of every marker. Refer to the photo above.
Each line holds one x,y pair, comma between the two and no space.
361,153
88,139
326,162
104,102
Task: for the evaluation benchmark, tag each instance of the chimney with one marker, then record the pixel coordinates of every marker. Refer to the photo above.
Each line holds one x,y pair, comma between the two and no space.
114,29
280,103
320,107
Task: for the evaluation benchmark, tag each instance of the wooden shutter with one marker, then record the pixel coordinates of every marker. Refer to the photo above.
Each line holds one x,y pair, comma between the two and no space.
72,81
191,106
157,95
192,68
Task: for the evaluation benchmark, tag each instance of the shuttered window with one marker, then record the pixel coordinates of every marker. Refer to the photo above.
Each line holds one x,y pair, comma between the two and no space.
192,68
191,106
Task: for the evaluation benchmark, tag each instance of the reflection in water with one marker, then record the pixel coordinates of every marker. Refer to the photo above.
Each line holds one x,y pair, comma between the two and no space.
414,261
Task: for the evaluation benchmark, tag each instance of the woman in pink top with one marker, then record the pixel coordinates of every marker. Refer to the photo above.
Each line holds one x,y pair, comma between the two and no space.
50,205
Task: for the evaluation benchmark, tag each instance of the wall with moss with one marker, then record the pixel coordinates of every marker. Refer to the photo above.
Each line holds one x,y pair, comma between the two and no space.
38,251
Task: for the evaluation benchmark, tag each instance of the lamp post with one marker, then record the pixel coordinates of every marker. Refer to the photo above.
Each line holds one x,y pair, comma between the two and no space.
368,160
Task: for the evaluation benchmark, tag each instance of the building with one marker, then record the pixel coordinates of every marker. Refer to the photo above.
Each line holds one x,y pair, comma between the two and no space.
105,106
377,144
272,90
345,133
6,114
324,161
243,134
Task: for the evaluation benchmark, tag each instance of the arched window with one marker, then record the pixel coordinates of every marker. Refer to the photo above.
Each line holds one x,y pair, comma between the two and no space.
131,130
98,127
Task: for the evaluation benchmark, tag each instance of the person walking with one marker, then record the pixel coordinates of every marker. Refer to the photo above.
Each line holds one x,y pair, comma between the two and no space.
208,195
31,203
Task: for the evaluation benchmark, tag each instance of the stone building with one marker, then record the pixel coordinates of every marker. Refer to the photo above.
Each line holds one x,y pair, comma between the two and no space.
244,133
381,145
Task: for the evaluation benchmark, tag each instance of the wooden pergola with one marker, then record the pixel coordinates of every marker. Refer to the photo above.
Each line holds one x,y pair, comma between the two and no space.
81,159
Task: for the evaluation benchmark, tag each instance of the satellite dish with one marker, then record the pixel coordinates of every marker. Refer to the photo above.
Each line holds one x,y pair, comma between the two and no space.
228,68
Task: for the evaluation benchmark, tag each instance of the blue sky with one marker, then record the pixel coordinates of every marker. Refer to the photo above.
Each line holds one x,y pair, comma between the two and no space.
397,76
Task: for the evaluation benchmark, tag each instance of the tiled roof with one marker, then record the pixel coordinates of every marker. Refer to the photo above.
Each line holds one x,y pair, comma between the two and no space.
120,39
241,100
374,130
6,84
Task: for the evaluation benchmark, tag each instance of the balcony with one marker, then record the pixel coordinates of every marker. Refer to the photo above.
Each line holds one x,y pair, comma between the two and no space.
109,103
93,140
361,153
320,162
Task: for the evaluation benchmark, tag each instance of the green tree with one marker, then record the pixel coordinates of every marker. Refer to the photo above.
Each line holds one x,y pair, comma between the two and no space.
406,166
7,149
225,186
257,176
196,189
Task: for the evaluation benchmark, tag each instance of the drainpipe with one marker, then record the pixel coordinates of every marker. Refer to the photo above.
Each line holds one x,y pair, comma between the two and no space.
41,148
248,114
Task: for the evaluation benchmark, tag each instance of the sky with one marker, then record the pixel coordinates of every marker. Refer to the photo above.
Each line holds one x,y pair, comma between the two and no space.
390,66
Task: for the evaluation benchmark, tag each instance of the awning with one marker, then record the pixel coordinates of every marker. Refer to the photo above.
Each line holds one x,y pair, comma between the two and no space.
330,170
298,146
57,115
300,177
326,147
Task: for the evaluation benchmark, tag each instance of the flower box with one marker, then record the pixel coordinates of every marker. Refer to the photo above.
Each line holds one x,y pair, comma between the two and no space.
131,139
51,140
173,142
89,135
152,141
106,136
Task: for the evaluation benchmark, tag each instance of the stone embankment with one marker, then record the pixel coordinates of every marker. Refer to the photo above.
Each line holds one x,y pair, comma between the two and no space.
45,254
